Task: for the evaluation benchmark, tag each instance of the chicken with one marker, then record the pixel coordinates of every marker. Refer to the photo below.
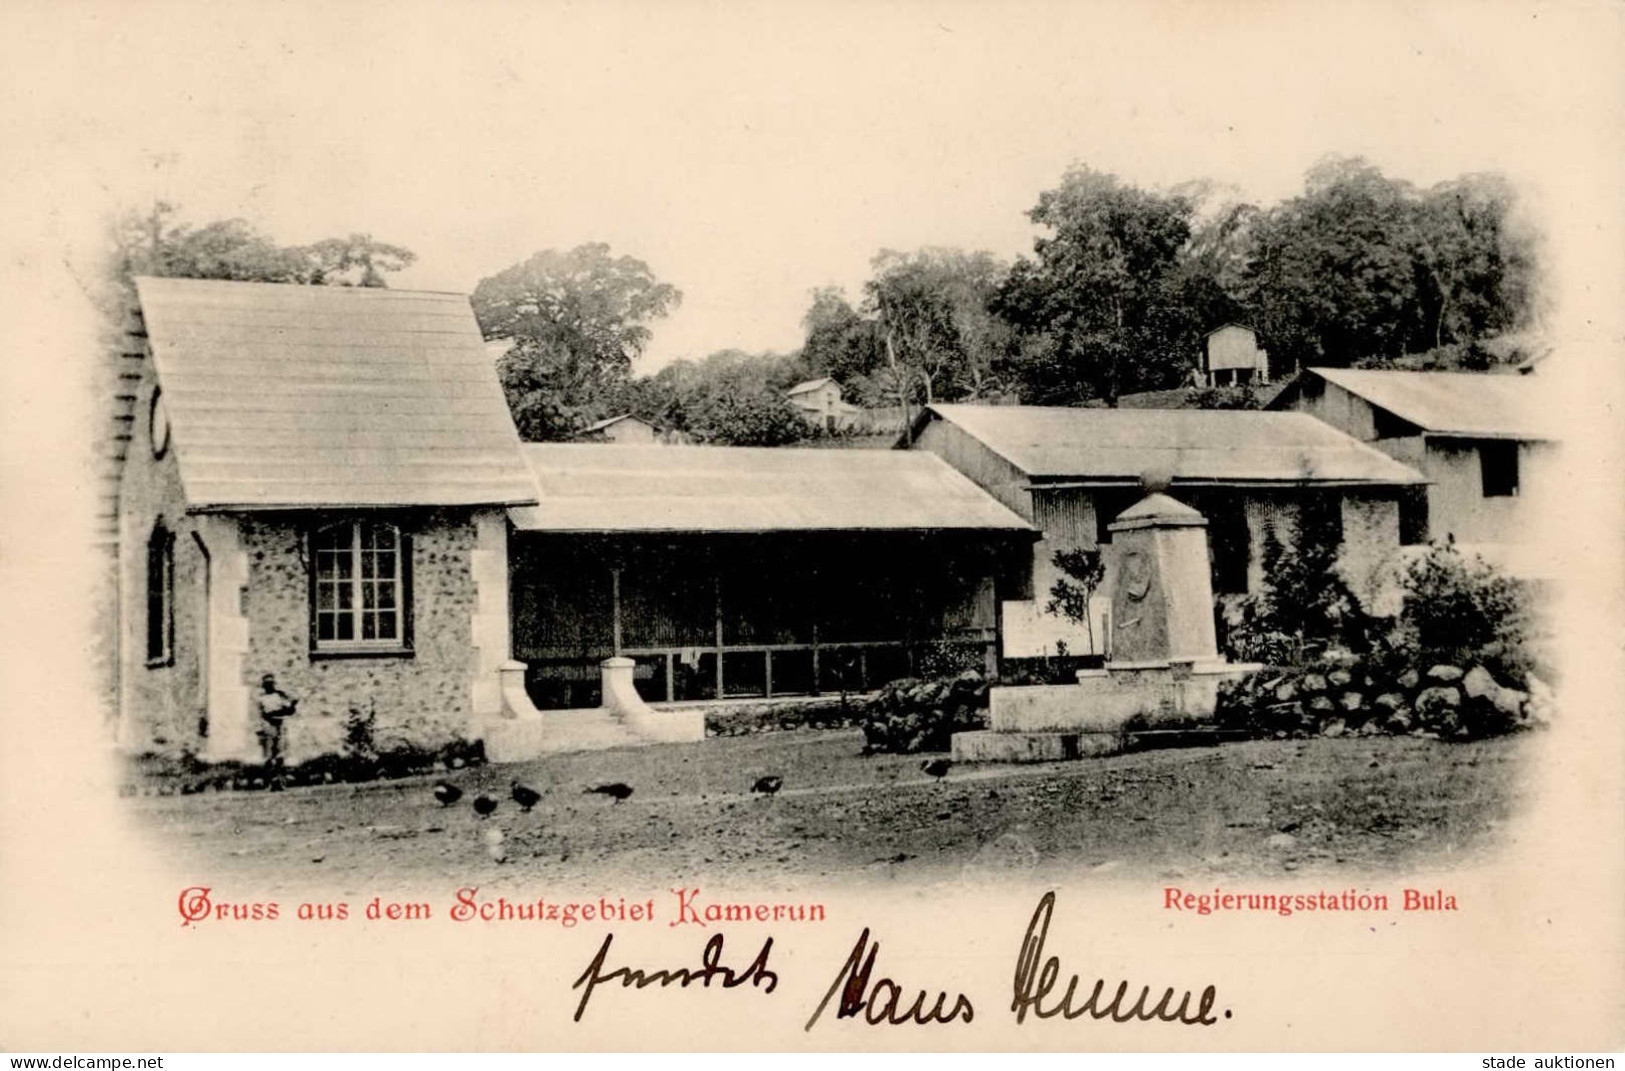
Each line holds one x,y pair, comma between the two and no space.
767,785
524,795
447,793
484,806
937,768
615,788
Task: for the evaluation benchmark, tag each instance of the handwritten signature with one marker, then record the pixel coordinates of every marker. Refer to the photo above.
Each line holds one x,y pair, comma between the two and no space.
879,1000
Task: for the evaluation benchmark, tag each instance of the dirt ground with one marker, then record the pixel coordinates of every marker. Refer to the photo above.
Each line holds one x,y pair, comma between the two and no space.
1351,805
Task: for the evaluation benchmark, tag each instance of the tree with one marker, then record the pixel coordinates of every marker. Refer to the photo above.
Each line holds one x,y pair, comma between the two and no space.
728,399
156,242
1334,271
1102,292
1082,573
577,320
1476,263
840,342
938,337
336,258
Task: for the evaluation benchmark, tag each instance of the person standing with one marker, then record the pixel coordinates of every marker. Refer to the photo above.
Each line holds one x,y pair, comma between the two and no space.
276,706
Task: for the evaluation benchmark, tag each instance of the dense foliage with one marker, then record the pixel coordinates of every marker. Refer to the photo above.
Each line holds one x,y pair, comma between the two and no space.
922,715
575,321
1464,611
158,242
1123,284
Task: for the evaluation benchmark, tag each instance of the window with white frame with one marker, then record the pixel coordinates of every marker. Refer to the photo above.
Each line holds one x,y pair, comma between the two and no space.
360,587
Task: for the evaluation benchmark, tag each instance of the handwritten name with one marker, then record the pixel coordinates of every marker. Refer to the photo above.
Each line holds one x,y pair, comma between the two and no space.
860,992
1035,982
756,973
878,1001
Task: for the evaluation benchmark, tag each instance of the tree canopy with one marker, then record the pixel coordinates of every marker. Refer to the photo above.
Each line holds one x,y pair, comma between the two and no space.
576,321
157,242
730,398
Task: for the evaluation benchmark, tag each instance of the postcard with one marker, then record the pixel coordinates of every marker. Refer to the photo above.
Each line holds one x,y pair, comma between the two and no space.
911,527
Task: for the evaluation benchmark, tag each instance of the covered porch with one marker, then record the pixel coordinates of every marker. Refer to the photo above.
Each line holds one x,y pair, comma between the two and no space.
728,574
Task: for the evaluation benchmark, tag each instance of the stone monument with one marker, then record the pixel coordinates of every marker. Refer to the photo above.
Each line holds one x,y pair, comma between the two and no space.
1164,668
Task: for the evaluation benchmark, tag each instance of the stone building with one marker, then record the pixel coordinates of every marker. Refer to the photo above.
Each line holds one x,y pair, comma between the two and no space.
314,488
1070,472
324,484
1482,441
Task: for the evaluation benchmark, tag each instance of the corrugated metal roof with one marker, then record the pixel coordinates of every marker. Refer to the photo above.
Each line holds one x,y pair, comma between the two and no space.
1223,446
285,396
591,487
806,385
1450,403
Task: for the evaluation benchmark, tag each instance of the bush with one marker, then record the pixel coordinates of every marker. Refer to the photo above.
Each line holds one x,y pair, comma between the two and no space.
1462,612
401,759
911,715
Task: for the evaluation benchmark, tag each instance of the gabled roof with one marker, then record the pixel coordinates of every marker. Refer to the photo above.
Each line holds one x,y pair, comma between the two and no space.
594,487
809,385
1469,404
607,421
1230,323
285,397
1195,445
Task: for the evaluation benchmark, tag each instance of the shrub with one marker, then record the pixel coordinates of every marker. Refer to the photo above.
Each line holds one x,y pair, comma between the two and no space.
945,658
912,715
1459,611
1304,605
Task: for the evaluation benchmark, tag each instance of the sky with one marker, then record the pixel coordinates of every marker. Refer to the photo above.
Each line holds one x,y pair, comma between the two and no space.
751,152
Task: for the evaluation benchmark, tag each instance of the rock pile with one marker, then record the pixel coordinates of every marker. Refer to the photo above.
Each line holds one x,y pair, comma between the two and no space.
1342,696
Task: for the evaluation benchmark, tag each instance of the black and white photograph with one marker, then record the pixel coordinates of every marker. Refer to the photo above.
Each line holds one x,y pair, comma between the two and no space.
755,474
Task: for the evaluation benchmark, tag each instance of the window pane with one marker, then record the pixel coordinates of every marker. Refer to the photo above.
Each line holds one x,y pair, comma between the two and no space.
346,627
324,626
369,626
386,595
387,629
346,594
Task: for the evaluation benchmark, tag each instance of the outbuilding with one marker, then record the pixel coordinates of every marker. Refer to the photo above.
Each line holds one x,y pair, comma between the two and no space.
1071,471
1482,440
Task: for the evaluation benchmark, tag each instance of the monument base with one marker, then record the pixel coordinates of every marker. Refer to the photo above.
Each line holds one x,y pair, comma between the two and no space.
988,746
1100,715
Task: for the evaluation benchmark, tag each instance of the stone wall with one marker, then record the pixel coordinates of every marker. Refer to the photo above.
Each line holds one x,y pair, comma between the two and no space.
162,705
426,698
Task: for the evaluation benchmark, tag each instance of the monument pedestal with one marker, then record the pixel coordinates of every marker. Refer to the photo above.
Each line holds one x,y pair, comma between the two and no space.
1165,668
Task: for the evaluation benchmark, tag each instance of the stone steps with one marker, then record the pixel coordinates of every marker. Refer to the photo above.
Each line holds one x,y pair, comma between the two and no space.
587,730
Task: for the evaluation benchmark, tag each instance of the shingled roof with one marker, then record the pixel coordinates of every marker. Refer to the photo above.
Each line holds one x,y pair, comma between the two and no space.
284,397
591,487
1468,404
1195,445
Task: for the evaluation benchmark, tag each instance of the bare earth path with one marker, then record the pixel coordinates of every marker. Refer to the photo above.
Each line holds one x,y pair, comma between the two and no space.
1327,806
